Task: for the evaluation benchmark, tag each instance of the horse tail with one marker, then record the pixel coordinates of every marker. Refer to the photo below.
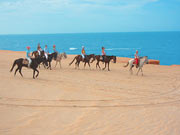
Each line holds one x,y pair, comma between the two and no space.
14,64
126,64
72,61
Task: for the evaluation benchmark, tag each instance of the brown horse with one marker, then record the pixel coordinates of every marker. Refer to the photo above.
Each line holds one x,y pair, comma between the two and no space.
79,58
34,65
106,59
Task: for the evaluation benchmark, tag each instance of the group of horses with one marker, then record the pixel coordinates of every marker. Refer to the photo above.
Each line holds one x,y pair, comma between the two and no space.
37,60
40,58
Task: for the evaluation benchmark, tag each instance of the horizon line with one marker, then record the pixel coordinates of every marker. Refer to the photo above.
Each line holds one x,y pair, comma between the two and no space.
87,32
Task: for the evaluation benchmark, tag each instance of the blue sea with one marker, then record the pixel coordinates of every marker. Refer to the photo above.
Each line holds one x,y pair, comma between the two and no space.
163,46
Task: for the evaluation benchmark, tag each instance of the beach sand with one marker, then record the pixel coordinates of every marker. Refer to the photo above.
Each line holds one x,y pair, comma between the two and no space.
68,101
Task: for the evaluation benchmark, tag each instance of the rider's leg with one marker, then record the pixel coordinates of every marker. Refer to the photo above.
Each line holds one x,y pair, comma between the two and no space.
29,59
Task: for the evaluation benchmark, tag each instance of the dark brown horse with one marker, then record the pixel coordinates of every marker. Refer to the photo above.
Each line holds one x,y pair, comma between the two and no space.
34,64
36,54
79,58
106,60
50,58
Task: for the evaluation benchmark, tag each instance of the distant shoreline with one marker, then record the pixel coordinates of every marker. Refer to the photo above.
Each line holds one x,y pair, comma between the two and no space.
85,33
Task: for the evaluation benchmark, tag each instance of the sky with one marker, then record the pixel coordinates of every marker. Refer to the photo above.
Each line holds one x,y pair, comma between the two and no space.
83,16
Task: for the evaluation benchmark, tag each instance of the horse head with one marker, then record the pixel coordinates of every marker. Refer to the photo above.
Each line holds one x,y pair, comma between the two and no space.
64,54
146,59
53,55
42,53
114,59
93,57
44,60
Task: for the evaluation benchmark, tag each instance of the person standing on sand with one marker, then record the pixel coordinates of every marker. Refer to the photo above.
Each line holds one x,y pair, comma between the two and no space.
83,53
136,58
46,52
103,53
28,56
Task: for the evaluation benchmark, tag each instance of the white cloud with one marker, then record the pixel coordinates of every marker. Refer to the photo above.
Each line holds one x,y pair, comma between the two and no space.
48,6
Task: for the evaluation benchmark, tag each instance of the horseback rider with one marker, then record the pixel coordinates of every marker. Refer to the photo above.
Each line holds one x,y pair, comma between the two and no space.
136,58
54,48
28,56
55,51
39,49
83,53
46,52
103,53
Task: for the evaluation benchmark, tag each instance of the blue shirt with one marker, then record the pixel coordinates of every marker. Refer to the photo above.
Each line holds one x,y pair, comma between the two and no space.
46,50
27,53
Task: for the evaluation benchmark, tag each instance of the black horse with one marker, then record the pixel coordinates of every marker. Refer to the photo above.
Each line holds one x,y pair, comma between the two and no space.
36,54
34,64
79,58
50,58
106,59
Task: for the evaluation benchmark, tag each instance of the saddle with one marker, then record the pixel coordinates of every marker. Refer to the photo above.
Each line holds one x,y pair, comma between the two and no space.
25,61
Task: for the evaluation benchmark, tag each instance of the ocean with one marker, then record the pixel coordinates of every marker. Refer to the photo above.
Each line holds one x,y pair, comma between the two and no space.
163,46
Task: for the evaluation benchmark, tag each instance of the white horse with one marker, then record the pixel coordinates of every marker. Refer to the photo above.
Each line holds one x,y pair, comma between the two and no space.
142,61
59,58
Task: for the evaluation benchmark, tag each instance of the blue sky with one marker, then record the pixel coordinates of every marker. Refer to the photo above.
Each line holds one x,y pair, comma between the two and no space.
79,16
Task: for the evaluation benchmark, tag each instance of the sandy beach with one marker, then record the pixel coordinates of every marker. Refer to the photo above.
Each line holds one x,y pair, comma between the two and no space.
69,101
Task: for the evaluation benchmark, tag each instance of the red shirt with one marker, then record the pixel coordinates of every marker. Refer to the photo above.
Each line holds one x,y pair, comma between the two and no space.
103,52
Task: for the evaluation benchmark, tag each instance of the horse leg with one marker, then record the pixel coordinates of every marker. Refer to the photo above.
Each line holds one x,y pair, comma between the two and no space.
105,66
142,71
60,64
108,67
78,64
138,71
97,64
131,70
84,65
33,73
89,65
56,63
16,71
37,72
50,65
20,71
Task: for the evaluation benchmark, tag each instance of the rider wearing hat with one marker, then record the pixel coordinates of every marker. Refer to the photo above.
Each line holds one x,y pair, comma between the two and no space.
54,48
83,53
136,58
39,49
103,53
46,52
28,56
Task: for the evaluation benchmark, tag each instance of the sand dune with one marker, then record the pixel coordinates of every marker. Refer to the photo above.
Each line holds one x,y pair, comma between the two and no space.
70,101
